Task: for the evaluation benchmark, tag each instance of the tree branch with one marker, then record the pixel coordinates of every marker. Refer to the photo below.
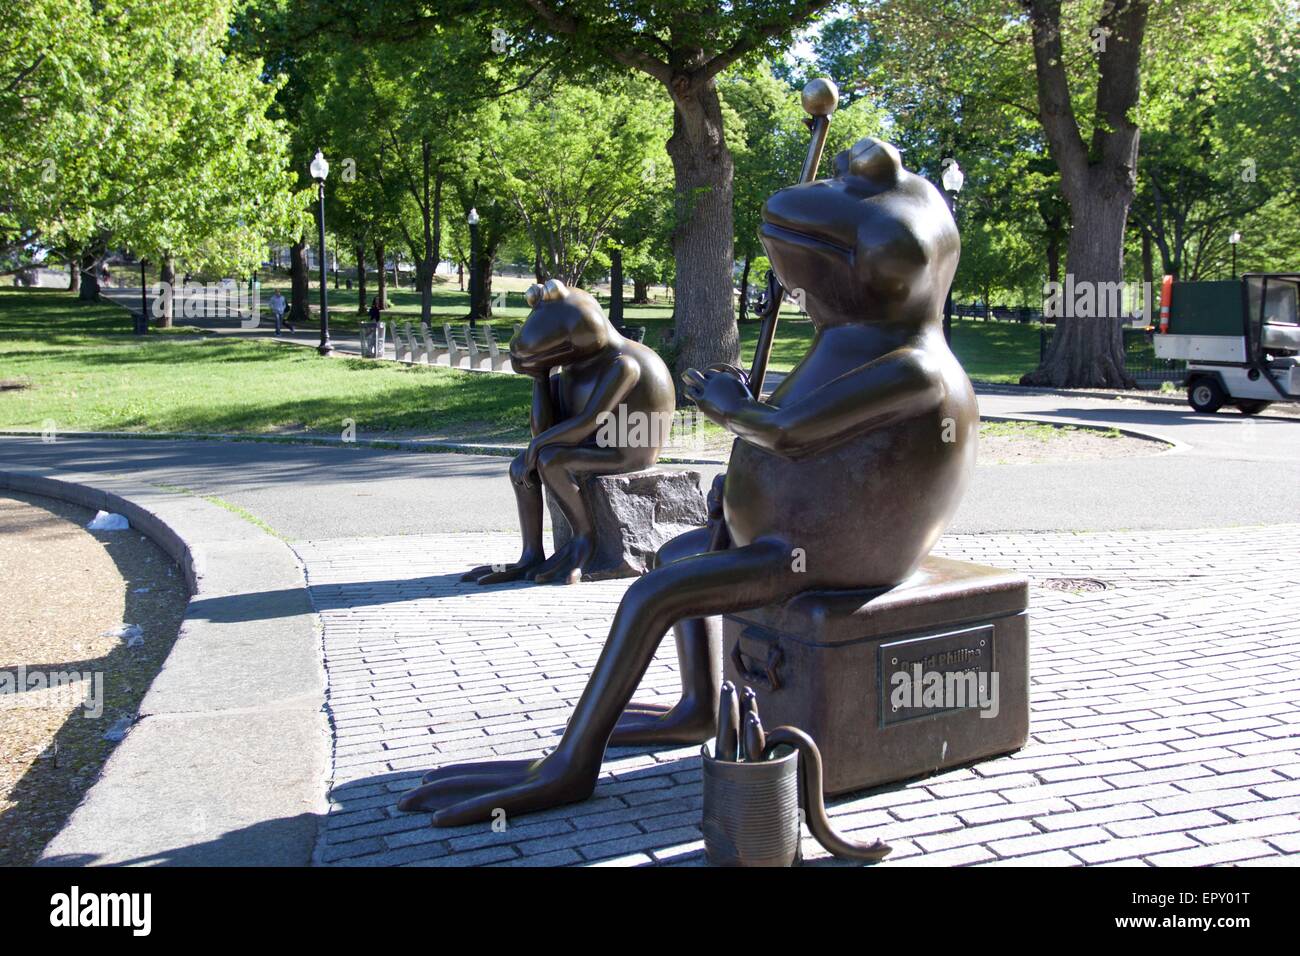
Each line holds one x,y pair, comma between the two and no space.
569,25
1055,105
766,32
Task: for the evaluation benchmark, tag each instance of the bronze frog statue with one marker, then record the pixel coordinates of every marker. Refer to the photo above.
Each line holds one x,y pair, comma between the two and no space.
842,479
604,380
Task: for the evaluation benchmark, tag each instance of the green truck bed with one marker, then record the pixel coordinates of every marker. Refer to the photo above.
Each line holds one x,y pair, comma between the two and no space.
1206,308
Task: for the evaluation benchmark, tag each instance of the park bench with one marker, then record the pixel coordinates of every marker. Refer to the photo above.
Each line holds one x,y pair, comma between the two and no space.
485,342
461,343
435,344
634,332
400,347
416,348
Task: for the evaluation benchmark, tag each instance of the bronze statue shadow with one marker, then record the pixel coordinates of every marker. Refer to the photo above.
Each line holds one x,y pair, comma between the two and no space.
652,810
286,602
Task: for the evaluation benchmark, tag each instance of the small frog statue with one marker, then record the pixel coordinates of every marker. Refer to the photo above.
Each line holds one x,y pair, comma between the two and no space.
842,479
603,378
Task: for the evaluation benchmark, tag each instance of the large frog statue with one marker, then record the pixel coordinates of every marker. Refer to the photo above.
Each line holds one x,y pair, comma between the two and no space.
843,479
603,378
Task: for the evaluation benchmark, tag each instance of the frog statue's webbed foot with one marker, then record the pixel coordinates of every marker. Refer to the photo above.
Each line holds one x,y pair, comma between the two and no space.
528,562
565,565
688,721
470,793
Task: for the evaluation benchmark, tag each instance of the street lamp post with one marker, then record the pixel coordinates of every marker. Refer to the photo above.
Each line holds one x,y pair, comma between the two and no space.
952,178
319,170
1234,240
475,280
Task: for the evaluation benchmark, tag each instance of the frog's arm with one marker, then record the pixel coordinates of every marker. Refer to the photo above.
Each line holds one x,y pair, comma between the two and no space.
545,402
889,389
615,381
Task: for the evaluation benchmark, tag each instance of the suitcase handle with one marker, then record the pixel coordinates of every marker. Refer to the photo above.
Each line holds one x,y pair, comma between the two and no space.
769,675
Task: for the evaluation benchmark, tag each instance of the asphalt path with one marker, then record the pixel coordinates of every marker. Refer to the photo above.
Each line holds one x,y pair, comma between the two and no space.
1222,471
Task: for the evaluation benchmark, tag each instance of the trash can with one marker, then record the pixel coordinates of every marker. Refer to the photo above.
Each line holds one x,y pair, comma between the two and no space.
372,340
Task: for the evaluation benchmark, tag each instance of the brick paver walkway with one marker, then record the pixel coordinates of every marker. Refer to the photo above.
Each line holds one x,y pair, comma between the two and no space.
1166,710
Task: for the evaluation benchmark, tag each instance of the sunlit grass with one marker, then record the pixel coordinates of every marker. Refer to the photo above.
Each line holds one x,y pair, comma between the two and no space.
82,369
78,365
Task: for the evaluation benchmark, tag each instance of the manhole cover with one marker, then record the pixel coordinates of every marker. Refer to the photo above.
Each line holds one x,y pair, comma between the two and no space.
1075,584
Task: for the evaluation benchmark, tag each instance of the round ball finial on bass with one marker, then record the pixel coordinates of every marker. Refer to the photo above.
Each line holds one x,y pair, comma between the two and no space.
820,97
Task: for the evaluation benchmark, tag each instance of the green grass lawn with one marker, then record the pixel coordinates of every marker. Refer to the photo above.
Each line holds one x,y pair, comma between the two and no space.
995,351
78,365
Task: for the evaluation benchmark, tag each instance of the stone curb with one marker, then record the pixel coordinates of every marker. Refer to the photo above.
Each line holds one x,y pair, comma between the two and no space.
1106,395
1145,435
394,444
228,762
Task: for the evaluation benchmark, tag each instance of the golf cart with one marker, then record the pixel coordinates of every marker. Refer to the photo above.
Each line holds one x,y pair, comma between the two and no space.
1240,339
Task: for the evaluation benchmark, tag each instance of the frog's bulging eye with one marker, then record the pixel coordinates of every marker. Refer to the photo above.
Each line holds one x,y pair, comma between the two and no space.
552,291
875,160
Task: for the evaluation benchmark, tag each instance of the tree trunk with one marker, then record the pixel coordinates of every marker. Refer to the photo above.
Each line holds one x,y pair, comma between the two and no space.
616,287
74,276
1097,181
1087,350
167,281
300,288
424,277
705,326
743,314
640,291
383,275
431,234
1148,266
362,304
89,291
487,260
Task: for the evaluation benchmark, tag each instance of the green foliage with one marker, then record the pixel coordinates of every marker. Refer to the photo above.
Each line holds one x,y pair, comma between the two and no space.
1219,153
132,123
575,161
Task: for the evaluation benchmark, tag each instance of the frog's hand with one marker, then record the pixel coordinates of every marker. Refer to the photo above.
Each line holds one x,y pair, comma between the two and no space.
897,386
615,382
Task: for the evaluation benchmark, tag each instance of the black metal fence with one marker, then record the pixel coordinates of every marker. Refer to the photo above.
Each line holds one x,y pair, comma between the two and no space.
997,313
1140,359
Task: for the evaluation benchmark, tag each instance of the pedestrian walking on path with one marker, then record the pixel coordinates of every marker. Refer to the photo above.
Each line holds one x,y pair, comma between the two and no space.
278,309
376,313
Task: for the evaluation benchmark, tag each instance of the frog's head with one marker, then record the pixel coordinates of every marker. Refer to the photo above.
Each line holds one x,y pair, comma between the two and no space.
875,244
565,326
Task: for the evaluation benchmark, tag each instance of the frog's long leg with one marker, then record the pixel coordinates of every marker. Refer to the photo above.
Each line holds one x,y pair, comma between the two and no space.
693,717
561,468
698,586
528,502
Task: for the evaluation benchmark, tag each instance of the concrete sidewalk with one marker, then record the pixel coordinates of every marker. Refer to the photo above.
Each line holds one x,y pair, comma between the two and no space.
227,760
